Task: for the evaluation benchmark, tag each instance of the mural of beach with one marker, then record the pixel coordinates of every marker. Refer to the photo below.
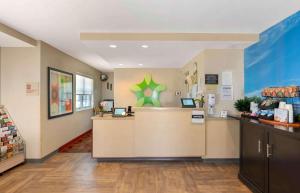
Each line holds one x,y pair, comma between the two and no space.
275,59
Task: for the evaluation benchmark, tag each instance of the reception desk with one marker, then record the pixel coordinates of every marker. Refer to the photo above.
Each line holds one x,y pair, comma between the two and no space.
151,133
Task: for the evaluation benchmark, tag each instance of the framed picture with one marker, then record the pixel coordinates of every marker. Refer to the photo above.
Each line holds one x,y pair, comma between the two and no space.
211,79
60,93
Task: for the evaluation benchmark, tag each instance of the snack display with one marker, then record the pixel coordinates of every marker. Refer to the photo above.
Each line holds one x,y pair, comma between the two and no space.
11,142
281,92
269,104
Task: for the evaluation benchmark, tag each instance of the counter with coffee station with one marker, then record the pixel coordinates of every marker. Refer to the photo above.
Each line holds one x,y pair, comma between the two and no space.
164,133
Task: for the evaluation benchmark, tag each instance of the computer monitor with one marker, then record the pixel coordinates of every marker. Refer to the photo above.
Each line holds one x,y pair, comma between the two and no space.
188,103
108,105
119,112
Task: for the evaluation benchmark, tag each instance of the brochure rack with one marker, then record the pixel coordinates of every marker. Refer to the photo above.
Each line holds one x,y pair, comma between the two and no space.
12,145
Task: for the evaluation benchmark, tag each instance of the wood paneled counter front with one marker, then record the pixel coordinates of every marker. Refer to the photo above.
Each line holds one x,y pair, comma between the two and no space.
151,133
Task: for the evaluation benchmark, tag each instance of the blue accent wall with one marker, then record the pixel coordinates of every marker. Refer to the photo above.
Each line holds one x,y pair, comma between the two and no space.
275,59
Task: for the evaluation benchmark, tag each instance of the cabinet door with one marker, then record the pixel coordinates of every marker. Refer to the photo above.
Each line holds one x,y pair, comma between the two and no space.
253,159
284,163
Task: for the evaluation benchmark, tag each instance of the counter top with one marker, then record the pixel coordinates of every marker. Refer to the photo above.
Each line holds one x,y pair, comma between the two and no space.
110,117
290,130
164,109
208,117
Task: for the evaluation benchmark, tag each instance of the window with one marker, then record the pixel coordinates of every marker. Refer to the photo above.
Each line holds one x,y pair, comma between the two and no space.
84,92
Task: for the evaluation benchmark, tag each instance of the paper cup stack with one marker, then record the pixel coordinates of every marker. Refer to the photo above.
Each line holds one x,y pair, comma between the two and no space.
289,107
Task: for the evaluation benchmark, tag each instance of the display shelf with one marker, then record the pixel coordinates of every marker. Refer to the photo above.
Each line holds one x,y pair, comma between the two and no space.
12,145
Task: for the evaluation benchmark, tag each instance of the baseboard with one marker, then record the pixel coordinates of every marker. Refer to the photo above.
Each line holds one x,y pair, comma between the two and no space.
61,149
56,151
222,160
42,159
154,159
249,184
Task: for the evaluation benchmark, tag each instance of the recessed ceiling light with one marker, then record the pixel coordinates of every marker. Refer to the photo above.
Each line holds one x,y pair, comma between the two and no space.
145,46
113,46
120,64
141,64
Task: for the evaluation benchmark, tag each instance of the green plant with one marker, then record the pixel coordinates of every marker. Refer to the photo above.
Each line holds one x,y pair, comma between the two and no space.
98,109
255,99
298,118
243,105
200,101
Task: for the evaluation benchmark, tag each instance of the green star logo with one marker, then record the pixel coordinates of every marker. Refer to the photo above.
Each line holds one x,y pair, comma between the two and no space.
147,92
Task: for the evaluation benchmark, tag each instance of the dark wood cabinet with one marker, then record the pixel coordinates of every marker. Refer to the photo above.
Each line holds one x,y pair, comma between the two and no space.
252,164
284,163
269,158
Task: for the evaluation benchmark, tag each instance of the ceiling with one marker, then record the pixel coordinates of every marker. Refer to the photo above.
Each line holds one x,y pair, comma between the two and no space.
171,54
60,22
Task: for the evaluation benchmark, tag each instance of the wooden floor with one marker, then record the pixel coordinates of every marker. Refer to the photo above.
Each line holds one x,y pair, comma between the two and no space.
77,172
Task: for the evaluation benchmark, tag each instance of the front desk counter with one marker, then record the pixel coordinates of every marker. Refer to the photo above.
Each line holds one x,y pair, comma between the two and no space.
222,138
151,133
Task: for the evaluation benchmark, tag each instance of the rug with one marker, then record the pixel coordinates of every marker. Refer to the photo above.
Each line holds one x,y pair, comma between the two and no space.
82,144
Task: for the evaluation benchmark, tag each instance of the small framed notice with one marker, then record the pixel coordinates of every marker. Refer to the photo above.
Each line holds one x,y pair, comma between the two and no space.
32,88
211,79
227,93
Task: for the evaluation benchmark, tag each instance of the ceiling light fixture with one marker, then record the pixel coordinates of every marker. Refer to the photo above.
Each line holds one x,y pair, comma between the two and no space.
120,64
145,46
141,64
113,46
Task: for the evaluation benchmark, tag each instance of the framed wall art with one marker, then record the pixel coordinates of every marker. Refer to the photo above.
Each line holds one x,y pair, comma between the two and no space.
60,93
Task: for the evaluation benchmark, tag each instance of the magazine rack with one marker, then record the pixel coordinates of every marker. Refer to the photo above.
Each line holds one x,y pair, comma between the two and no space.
12,145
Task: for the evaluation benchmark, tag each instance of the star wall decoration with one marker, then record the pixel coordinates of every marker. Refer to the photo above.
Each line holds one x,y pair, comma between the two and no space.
147,92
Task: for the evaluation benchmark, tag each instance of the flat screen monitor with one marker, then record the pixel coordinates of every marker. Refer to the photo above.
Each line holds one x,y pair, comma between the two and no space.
188,103
108,105
119,112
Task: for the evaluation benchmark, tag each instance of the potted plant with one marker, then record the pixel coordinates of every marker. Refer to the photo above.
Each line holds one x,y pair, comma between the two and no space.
243,105
98,110
200,102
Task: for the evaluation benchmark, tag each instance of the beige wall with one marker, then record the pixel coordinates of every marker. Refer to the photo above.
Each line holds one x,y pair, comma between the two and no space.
215,61
19,66
56,132
190,66
0,77
24,65
125,78
107,93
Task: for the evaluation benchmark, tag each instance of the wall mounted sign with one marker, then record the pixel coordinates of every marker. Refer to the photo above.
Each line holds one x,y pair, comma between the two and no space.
147,92
32,89
211,79
227,78
60,93
226,92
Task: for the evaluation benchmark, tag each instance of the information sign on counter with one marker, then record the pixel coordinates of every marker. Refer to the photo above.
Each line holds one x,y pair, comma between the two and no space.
198,117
